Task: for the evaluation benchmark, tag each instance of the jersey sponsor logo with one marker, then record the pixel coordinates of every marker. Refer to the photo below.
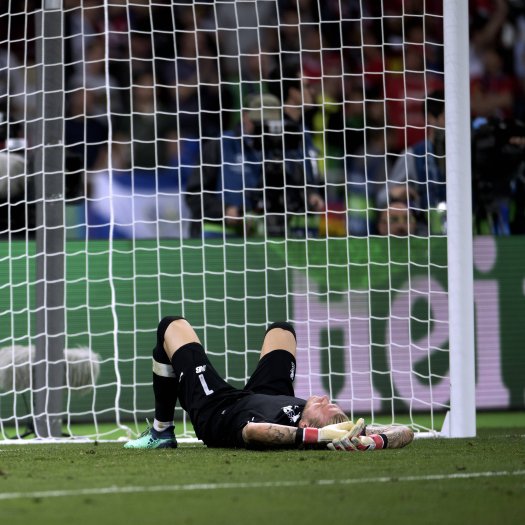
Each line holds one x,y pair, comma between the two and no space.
200,369
292,372
293,412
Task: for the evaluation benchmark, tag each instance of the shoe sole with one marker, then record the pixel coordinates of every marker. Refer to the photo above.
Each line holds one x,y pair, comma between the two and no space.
170,444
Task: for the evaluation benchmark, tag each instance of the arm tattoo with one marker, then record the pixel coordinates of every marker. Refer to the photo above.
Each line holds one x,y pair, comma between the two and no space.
398,435
269,434
281,435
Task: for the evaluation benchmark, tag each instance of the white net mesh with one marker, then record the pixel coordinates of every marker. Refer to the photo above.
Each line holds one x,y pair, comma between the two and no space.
233,162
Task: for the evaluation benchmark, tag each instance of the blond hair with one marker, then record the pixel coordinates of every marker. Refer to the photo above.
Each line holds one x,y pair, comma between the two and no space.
337,418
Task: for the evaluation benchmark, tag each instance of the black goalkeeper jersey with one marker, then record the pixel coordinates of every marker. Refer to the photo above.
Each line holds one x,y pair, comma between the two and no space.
256,408
219,411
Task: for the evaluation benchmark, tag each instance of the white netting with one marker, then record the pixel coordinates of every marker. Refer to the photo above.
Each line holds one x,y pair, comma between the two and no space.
181,198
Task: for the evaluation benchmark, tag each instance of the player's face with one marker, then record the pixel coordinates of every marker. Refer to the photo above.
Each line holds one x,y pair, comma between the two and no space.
320,410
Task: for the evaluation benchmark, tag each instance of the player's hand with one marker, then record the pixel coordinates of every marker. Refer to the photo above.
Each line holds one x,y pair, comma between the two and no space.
335,431
346,442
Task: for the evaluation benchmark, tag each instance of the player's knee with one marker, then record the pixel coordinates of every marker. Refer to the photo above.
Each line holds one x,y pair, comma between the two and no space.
163,326
283,325
279,336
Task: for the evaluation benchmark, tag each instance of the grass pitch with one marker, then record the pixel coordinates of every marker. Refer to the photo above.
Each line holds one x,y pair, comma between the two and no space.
479,481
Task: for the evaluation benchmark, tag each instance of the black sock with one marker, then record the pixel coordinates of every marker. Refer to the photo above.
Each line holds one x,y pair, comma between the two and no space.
165,386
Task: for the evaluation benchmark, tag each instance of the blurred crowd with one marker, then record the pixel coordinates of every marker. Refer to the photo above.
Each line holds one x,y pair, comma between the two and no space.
361,82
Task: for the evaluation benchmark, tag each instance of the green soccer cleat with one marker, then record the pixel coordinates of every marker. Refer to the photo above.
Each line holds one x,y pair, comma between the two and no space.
151,438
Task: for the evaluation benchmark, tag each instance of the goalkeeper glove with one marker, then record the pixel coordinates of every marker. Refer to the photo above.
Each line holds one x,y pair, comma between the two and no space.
355,441
310,435
371,442
346,442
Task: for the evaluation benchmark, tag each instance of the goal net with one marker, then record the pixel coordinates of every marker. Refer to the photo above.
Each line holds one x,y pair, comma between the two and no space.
237,163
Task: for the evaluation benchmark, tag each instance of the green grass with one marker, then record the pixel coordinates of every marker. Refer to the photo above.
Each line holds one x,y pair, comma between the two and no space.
430,481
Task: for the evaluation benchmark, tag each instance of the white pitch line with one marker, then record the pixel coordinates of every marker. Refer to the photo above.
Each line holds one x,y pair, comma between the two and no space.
102,491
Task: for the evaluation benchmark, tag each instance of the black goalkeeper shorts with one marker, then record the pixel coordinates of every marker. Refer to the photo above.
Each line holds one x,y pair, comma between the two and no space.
204,394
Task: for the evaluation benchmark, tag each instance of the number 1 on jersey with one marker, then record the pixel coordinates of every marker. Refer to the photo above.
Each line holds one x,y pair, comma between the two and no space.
205,387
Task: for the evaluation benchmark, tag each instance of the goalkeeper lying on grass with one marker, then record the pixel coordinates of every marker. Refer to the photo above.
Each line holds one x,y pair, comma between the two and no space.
264,414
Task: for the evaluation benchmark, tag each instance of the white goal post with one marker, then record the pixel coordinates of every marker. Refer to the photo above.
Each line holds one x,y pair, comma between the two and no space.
143,173
462,421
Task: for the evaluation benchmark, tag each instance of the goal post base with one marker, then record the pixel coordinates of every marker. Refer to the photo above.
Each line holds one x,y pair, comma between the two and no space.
445,432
